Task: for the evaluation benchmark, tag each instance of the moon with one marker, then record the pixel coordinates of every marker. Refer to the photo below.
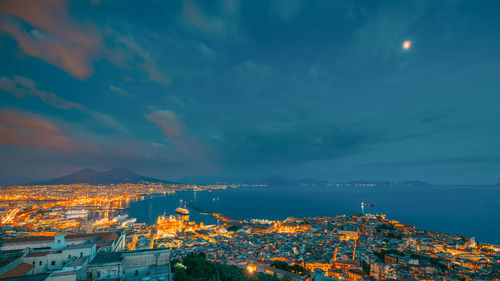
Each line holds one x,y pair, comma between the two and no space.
406,45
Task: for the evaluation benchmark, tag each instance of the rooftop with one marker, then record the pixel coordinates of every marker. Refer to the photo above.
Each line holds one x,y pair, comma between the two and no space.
64,273
105,258
37,254
18,271
78,262
103,236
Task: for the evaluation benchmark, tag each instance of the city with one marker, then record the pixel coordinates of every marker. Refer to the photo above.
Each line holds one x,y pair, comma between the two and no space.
355,247
243,140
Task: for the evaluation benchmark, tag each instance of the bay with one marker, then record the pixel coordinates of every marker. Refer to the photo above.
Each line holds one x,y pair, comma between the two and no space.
466,210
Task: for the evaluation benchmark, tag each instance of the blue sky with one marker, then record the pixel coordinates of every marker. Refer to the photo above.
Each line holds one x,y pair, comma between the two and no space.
219,90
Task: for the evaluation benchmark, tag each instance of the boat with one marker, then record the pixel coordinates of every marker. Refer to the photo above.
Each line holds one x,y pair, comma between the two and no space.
129,222
120,218
363,204
182,211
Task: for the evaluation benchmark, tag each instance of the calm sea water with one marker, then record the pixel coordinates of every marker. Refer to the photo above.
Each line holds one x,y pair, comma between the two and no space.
467,210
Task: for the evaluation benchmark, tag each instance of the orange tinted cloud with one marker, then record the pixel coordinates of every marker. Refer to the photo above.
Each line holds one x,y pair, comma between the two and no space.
168,123
28,130
57,37
22,87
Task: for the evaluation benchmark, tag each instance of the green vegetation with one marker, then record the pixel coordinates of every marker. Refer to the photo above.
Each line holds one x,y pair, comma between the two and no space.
195,267
394,236
384,226
366,267
233,228
292,268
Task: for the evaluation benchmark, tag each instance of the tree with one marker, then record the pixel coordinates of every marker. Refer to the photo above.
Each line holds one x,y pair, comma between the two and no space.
195,267
233,228
366,267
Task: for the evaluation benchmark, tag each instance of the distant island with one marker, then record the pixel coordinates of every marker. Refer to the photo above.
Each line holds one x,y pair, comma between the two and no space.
280,181
124,175
90,176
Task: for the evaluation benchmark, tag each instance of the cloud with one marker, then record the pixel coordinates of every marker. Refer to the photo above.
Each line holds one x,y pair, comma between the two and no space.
22,87
125,50
434,162
28,130
151,159
286,10
296,144
253,68
168,123
193,15
55,38
180,141
106,121
32,142
206,51
435,118
381,35
222,23
120,91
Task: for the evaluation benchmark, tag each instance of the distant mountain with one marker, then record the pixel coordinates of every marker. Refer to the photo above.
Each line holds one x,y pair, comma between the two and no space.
384,183
279,181
312,182
117,175
271,181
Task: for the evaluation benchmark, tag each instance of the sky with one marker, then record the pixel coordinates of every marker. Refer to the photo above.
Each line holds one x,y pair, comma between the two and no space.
201,91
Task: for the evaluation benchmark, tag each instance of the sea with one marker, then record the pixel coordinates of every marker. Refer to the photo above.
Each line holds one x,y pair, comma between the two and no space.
472,211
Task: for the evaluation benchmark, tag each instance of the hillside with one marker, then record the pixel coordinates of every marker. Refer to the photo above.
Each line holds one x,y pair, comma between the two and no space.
90,176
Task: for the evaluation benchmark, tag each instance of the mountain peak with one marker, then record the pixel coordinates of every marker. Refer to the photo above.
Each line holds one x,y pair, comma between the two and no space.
121,169
86,171
90,176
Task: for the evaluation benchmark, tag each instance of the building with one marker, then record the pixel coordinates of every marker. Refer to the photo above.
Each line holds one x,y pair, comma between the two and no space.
132,265
97,256
111,241
12,265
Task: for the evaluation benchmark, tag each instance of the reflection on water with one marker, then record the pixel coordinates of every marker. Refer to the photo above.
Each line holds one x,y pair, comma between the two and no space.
468,210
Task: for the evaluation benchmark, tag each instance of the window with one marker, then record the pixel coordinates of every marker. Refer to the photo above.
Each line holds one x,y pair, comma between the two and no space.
40,262
69,256
58,241
81,254
33,262
136,272
98,274
53,263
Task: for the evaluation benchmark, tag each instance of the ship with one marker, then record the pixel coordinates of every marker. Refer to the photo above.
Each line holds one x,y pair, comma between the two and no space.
129,222
120,218
182,211
363,204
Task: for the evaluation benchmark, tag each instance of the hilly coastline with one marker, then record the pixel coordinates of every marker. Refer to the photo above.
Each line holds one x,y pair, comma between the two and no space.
90,176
